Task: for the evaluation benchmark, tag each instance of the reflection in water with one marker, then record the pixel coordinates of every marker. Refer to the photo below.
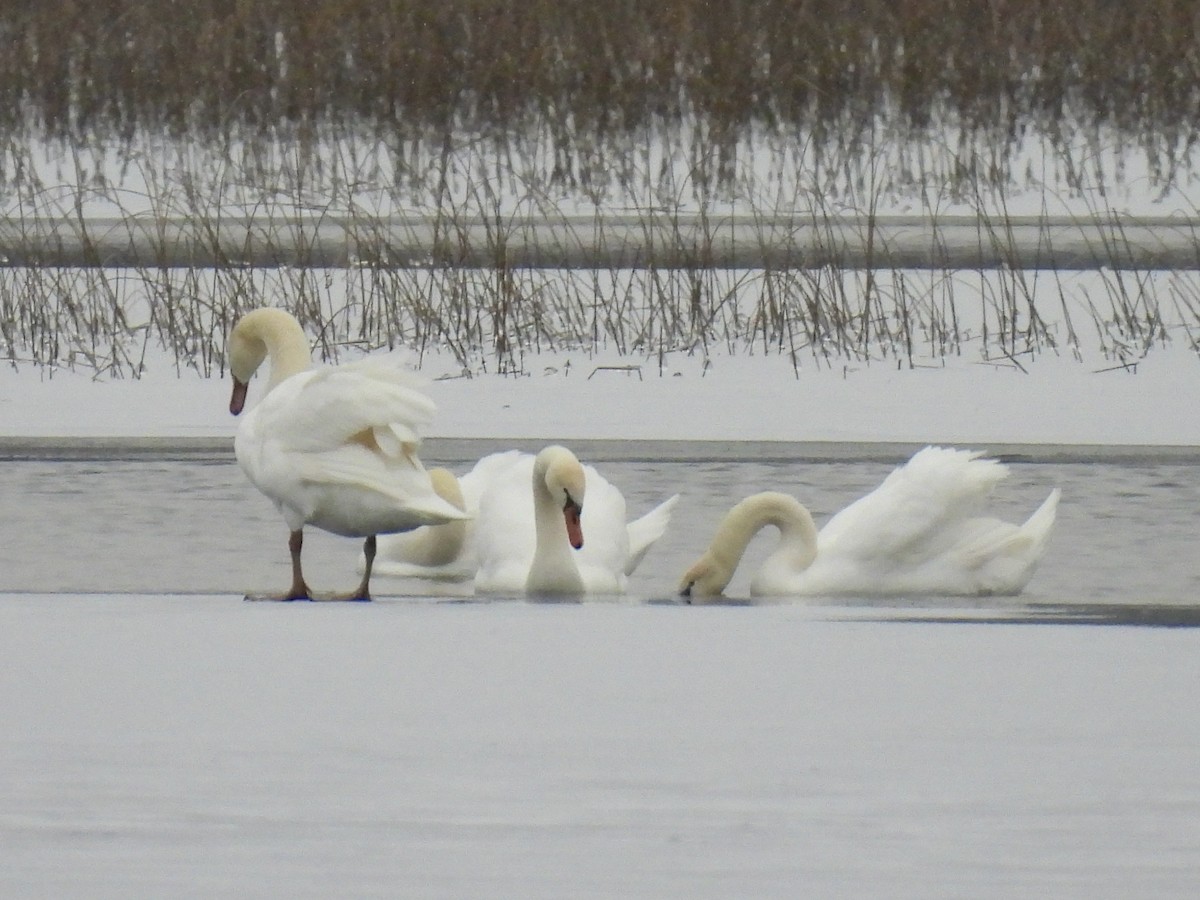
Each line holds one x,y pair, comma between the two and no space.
1124,548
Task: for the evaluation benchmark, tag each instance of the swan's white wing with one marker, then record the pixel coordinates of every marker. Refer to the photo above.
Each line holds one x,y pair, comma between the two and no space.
364,402
922,531
643,532
1003,556
337,447
492,467
503,532
359,467
398,568
426,552
439,552
605,551
917,511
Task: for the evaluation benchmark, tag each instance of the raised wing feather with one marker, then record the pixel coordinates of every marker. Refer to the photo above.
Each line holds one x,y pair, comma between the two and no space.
645,531
368,402
916,509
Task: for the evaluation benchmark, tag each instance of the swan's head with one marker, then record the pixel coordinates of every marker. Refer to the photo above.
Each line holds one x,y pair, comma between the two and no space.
708,577
258,333
562,475
711,574
246,354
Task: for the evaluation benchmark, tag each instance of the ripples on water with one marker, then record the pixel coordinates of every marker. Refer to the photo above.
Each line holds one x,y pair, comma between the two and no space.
1126,532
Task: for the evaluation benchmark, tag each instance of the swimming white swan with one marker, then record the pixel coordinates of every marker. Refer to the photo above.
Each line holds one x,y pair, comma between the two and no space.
443,552
334,447
450,552
920,532
548,525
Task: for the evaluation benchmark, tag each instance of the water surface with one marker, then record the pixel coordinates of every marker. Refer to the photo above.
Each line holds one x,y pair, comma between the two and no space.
1126,534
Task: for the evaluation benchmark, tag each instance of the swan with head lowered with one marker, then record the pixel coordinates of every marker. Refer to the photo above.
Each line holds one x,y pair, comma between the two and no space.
923,531
507,535
547,525
431,552
334,447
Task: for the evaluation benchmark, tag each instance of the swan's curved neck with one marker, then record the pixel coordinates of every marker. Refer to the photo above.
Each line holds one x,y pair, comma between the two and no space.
272,334
440,545
553,570
436,545
797,531
287,349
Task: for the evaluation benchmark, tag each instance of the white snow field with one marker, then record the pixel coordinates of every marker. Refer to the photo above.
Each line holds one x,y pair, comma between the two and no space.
202,747
737,397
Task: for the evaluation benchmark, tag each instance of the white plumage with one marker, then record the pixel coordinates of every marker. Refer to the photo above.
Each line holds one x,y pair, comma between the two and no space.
333,447
518,541
922,531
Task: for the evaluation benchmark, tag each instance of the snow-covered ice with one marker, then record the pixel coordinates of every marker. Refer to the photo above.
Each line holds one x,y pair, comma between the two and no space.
200,747
731,398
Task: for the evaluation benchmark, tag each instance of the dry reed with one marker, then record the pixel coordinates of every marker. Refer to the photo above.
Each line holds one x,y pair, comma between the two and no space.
256,105
595,80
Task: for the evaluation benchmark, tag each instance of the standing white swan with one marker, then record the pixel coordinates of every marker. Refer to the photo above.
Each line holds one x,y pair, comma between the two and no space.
920,532
548,525
334,447
451,552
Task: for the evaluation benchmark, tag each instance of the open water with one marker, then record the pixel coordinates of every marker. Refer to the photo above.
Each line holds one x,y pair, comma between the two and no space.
1127,534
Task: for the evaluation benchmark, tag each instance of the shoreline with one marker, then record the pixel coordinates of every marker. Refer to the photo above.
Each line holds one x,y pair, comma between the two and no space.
449,450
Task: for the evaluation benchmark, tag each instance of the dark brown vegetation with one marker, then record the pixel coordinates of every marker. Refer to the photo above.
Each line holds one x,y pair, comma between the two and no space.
456,108
591,77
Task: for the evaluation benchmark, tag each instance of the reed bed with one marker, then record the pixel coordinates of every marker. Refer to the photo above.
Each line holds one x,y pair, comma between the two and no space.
505,321
496,317
597,82
488,110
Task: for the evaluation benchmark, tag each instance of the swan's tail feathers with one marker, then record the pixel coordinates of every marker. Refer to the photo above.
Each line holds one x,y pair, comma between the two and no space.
1039,525
645,531
433,510
1007,557
410,490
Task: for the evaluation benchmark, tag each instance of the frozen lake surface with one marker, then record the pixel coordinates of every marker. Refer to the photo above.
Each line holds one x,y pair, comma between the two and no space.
163,738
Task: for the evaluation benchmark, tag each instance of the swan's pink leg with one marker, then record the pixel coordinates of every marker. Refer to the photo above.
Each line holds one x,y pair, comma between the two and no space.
299,589
362,593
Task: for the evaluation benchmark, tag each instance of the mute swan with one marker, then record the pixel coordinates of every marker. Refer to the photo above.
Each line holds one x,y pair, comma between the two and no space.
450,553
334,447
433,552
920,532
443,552
548,525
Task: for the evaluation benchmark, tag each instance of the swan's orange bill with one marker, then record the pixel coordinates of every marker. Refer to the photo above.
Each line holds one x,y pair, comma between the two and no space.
574,529
238,400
